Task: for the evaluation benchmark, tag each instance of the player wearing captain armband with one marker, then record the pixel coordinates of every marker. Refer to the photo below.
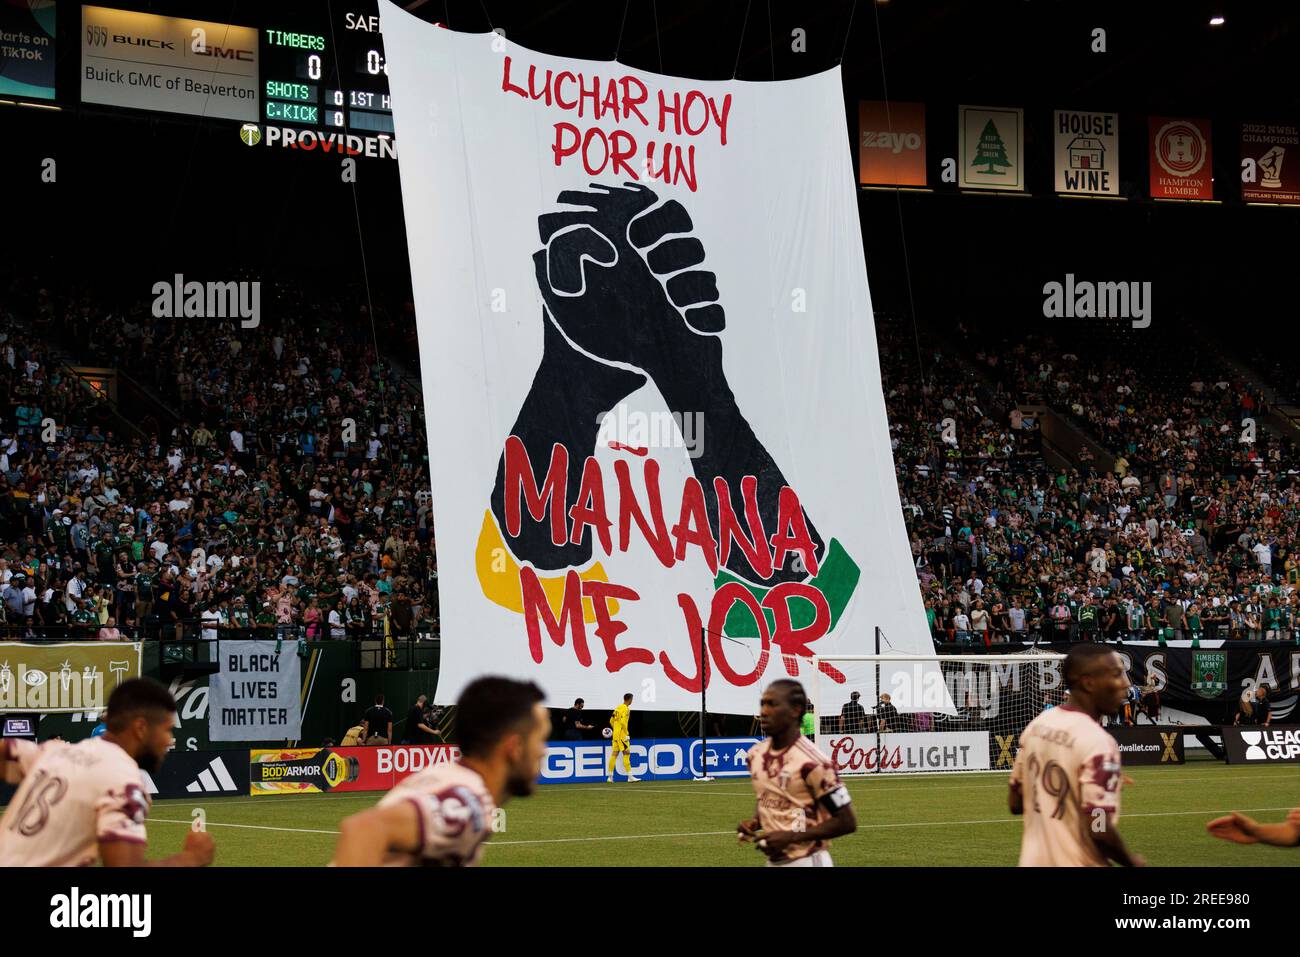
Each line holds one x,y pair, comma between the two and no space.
802,804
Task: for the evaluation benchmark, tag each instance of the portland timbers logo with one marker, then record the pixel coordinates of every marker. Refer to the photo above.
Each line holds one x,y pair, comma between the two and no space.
1209,673
626,302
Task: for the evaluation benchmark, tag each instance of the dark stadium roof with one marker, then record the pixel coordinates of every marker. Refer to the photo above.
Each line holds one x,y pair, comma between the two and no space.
154,191
1161,56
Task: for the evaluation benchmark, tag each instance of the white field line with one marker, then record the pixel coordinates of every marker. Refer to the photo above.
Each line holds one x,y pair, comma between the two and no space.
861,827
249,827
645,837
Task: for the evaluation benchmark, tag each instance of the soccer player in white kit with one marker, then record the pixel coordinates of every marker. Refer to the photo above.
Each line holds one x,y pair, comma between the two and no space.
78,803
443,815
1067,777
801,803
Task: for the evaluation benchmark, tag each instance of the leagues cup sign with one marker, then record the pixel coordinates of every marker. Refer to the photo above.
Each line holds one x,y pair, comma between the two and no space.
656,426
256,696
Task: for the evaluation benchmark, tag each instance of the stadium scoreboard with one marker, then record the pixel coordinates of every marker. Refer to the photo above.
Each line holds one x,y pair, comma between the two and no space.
333,76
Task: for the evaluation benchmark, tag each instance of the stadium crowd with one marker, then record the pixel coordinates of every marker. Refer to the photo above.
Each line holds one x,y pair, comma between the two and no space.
290,496
1189,533
290,491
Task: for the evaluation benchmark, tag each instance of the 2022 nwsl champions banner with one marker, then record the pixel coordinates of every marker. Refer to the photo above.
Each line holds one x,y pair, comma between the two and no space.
650,375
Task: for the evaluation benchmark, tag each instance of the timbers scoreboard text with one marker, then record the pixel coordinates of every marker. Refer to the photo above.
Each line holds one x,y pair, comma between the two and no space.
329,75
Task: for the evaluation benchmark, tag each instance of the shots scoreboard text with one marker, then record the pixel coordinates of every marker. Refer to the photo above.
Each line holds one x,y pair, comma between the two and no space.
327,75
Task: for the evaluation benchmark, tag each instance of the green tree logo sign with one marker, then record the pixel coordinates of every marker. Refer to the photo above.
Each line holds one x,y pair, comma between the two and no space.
990,151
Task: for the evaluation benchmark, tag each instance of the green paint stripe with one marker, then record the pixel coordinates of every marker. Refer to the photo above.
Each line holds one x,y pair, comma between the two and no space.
837,578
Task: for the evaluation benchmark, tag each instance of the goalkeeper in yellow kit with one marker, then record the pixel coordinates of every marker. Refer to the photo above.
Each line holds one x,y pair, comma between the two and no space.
620,739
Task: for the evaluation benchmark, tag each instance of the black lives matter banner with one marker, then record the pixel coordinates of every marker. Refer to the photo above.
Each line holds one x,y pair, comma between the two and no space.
256,695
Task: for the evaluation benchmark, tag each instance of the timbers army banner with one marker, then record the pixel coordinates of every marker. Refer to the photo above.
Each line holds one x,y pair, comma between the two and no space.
656,426
1203,685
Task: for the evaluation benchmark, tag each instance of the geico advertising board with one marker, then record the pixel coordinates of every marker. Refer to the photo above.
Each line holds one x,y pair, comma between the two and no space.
671,759
151,62
896,753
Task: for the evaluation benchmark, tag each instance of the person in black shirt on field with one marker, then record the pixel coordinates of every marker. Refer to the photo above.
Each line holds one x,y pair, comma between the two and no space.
1263,712
572,722
378,722
417,729
886,715
853,717
1150,701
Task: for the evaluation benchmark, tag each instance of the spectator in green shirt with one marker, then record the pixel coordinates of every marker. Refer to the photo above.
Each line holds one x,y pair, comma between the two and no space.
84,621
1088,620
239,617
808,726
1273,621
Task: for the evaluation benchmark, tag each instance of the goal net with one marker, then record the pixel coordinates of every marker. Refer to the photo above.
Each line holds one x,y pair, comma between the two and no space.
891,714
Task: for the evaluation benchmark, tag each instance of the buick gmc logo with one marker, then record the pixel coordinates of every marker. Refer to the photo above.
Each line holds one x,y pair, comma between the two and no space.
96,36
1271,745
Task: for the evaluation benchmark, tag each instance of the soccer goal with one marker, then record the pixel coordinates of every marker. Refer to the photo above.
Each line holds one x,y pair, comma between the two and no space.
891,714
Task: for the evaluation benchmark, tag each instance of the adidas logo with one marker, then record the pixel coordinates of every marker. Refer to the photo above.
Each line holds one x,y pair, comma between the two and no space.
214,777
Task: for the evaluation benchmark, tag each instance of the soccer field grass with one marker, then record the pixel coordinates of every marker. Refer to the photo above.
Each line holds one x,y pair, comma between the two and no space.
938,820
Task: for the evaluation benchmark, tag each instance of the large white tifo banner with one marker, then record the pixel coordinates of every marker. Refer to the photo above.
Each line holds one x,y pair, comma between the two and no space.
650,376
